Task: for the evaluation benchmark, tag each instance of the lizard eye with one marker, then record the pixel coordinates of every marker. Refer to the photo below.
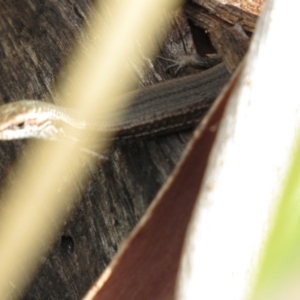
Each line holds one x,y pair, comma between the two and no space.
20,125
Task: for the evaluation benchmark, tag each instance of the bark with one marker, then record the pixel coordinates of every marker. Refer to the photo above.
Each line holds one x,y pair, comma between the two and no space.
37,37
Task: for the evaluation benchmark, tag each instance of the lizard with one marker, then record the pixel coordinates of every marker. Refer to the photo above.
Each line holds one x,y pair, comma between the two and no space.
168,106
164,107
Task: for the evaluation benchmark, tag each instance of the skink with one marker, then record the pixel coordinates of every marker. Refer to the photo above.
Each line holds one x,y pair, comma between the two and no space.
169,106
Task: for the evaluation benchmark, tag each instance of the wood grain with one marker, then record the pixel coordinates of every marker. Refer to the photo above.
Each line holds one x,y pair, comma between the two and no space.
37,38
207,13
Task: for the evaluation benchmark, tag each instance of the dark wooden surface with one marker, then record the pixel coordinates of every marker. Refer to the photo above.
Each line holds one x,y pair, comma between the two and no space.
37,37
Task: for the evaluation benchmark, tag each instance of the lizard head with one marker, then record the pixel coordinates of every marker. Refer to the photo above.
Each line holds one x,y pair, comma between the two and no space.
26,119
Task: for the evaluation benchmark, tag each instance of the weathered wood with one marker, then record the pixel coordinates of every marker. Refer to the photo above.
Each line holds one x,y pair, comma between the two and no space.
206,13
231,43
37,37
